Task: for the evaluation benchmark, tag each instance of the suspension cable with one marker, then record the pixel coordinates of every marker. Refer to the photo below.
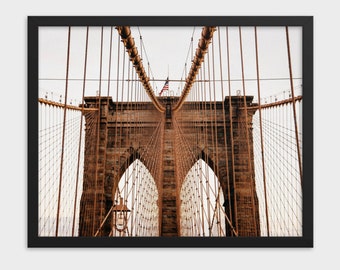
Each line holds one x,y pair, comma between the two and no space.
80,130
250,169
294,109
98,133
225,130
261,135
125,33
206,36
64,127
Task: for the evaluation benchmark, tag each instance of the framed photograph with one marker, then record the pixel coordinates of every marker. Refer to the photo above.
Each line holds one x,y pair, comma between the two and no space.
170,131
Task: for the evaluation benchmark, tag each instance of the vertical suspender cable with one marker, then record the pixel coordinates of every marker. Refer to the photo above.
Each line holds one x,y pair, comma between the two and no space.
119,134
261,135
80,128
225,129
215,134
206,144
231,132
98,134
116,153
64,127
127,133
294,105
110,60
211,128
247,131
106,123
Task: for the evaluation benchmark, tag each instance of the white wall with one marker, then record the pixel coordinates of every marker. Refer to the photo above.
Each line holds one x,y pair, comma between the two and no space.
13,61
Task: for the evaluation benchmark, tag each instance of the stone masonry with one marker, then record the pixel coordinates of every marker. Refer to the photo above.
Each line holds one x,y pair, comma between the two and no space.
106,158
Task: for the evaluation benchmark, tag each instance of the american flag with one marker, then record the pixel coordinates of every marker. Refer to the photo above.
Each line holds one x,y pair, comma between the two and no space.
165,87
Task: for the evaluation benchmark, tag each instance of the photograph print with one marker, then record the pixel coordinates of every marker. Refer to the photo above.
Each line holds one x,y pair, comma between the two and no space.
170,131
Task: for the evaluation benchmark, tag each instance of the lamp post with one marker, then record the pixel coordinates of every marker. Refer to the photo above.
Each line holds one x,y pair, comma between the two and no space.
120,216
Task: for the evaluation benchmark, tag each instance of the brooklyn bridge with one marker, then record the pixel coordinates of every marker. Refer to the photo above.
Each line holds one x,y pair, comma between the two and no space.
203,155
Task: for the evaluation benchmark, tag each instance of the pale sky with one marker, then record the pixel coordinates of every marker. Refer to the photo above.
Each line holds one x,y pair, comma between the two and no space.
167,50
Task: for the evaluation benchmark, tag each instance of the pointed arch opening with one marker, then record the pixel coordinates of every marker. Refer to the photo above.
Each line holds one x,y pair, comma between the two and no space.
137,191
201,210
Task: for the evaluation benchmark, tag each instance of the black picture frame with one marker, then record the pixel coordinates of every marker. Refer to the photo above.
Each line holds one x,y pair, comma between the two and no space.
34,241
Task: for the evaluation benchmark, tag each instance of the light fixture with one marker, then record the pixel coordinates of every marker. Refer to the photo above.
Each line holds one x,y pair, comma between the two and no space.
120,215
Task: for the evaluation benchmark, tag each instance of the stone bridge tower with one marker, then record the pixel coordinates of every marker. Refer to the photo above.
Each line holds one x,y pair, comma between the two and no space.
104,165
